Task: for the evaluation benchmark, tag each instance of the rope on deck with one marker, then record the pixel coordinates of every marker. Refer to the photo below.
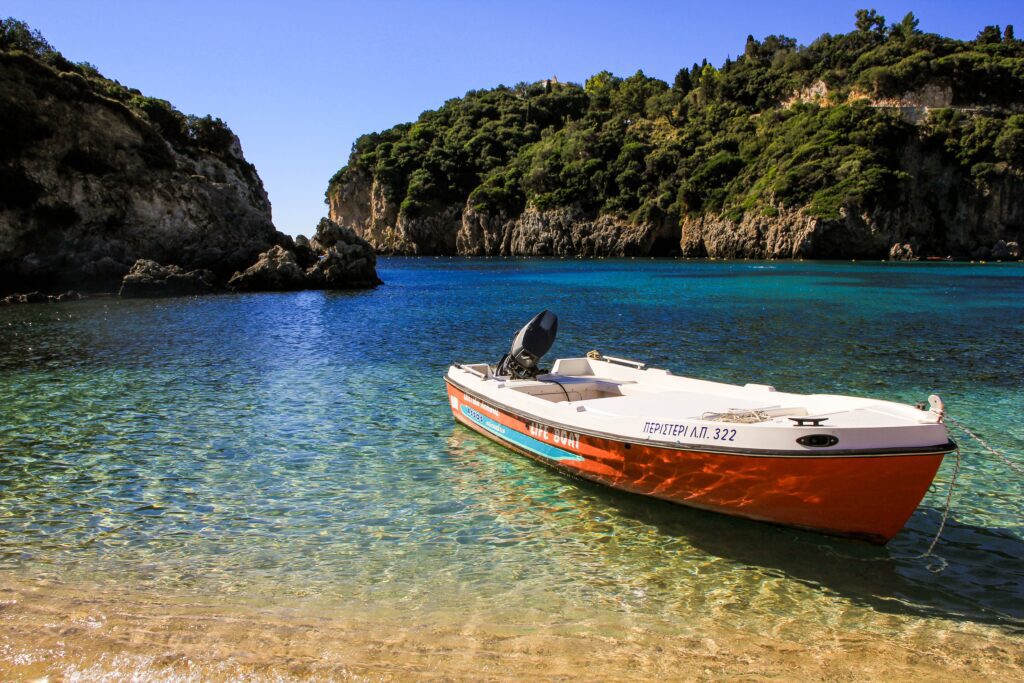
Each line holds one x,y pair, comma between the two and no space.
737,416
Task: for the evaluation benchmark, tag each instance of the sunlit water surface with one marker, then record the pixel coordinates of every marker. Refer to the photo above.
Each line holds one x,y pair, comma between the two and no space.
297,449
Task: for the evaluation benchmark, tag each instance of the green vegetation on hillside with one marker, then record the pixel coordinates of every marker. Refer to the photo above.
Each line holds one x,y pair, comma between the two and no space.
729,139
184,132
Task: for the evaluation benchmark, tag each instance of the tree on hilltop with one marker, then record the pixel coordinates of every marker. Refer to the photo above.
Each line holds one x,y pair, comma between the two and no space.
17,35
869,20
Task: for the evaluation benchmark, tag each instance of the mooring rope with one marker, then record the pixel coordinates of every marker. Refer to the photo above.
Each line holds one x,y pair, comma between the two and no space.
937,567
1006,461
942,524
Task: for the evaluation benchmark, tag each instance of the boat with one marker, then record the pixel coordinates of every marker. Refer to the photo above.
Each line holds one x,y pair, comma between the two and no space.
842,465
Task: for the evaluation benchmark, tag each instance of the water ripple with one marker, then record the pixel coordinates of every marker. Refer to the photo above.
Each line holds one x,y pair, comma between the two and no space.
296,445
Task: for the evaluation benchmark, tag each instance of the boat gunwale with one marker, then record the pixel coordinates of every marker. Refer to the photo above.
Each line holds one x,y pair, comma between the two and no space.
943,449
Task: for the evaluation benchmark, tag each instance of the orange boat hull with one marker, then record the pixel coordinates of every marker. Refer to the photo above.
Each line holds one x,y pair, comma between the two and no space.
868,497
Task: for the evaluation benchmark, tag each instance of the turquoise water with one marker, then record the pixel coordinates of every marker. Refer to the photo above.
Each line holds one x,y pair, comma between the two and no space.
297,447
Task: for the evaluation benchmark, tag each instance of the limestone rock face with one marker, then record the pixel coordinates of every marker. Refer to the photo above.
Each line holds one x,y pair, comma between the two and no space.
360,205
150,279
569,232
943,224
89,185
788,234
938,211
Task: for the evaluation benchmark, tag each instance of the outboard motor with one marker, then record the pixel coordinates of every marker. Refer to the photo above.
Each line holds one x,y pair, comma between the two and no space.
532,342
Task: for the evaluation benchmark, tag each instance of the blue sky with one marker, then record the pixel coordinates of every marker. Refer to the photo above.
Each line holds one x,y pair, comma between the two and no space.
299,81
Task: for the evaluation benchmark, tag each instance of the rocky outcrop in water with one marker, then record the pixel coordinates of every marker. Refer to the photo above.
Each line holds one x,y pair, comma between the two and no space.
345,260
334,259
276,270
149,279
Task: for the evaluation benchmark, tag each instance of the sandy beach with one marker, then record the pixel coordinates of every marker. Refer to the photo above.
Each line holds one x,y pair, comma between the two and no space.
61,632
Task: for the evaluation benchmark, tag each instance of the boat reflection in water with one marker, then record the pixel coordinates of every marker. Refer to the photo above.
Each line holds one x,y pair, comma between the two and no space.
673,560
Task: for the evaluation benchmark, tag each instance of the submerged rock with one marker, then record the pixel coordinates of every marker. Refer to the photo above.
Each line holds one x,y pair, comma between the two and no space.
149,279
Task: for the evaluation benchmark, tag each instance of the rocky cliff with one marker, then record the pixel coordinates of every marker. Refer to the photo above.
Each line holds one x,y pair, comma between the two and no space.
96,178
941,215
90,185
361,205
885,140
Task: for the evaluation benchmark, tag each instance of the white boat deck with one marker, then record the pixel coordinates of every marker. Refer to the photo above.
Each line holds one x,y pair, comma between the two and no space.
612,397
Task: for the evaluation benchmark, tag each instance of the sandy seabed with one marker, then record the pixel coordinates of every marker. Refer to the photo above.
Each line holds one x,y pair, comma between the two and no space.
58,632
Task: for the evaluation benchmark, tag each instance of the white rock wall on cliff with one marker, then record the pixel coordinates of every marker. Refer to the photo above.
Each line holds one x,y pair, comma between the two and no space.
939,217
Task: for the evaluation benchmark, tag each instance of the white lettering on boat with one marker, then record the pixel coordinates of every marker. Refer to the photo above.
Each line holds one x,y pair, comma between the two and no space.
480,404
561,437
684,431
566,438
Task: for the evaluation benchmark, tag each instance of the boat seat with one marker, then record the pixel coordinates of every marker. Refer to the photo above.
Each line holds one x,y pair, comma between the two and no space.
560,389
678,405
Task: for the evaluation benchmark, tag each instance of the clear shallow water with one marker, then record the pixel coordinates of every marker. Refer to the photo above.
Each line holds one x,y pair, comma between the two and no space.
298,448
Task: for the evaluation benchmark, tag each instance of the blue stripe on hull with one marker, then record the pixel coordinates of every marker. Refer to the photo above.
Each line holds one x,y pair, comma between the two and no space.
519,439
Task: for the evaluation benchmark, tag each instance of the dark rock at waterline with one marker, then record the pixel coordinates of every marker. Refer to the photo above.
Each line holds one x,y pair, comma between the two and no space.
276,270
340,269
149,279
1005,251
902,252
28,298
336,258
40,298
346,261
304,253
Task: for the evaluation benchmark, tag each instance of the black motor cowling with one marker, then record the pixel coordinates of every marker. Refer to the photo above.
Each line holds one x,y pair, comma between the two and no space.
528,347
